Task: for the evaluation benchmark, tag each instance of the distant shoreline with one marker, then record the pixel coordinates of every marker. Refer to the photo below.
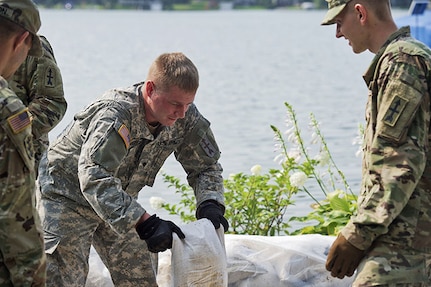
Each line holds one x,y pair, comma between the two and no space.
198,6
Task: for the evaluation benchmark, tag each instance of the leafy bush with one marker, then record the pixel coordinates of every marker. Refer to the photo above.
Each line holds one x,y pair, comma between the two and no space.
256,203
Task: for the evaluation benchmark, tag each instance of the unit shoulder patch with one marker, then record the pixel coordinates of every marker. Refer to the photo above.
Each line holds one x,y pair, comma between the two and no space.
394,111
50,77
208,147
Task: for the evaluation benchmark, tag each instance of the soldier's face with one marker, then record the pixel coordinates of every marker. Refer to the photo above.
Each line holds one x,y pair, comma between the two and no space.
166,107
349,25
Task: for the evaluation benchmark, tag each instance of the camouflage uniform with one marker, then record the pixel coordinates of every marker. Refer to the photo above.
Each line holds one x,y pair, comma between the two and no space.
393,221
39,85
92,175
22,259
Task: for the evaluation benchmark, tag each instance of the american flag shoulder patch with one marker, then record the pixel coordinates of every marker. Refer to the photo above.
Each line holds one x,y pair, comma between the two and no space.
19,121
123,131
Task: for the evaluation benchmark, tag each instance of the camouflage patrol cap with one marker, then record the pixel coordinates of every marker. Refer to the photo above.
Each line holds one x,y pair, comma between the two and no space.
334,8
25,14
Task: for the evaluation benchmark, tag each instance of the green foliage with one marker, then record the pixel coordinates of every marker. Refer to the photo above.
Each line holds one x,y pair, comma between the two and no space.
187,205
339,203
331,214
256,204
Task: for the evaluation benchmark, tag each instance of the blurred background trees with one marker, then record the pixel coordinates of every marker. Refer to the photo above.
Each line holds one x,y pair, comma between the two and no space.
204,4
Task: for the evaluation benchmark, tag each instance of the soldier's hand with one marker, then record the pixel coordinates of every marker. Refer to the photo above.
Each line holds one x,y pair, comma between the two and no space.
213,211
343,258
157,233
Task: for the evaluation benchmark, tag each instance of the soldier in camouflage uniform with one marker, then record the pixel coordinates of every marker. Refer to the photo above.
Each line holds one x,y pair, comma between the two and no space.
92,173
38,83
388,241
22,257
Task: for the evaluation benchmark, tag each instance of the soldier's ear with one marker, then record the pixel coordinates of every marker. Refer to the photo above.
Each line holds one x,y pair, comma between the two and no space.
150,88
24,39
361,13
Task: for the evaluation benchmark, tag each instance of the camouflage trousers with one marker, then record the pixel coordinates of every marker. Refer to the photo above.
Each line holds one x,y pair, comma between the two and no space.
71,229
22,256
389,265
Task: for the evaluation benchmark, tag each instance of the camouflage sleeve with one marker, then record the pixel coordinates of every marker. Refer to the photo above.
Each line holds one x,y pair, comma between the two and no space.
102,151
39,84
16,122
199,157
394,156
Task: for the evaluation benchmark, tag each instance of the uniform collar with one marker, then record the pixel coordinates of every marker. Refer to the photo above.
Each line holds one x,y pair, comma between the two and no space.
403,32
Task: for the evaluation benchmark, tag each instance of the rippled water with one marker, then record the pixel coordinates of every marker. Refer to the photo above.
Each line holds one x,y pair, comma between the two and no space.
250,63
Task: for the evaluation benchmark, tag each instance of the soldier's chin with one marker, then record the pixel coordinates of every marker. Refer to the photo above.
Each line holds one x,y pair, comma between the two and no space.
169,122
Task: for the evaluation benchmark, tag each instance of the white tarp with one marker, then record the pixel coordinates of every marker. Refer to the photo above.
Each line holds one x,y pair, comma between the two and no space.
274,261
254,261
198,260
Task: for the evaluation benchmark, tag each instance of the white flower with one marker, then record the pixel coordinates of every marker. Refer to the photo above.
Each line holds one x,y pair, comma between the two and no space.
295,154
359,140
156,202
359,152
277,147
336,193
280,159
292,138
314,138
322,158
290,131
278,175
298,179
256,169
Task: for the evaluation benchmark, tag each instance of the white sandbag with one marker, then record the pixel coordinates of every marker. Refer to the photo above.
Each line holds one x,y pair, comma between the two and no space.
253,261
280,261
200,259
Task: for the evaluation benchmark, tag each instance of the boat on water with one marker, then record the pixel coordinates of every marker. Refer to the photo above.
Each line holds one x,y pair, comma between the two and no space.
419,20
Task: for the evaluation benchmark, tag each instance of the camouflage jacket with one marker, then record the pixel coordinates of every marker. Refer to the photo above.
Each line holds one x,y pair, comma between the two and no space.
108,154
16,149
39,85
394,205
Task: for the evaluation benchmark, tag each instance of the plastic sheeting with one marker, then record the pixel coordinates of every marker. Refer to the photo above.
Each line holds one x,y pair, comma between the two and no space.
280,261
199,260
255,261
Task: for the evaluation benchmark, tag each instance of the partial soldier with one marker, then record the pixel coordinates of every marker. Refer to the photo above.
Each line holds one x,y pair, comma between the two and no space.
38,83
92,173
388,241
22,256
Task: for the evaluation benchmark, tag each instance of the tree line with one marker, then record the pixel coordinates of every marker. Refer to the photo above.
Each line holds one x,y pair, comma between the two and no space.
124,4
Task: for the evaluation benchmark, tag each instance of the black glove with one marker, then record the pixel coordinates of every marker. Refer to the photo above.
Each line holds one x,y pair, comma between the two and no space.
213,211
157,233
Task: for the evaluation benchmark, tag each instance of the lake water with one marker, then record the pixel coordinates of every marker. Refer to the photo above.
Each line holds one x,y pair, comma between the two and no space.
250,63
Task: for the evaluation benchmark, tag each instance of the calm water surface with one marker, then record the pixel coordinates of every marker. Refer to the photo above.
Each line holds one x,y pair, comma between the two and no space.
250,63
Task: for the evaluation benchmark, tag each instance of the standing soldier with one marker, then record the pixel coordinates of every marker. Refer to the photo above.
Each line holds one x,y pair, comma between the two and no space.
388,241
39,85
22,260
